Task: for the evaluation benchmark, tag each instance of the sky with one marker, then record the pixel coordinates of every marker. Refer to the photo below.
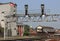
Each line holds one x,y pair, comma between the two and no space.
51,6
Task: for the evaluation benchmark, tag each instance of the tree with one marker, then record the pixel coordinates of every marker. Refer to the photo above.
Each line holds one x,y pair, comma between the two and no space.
26,30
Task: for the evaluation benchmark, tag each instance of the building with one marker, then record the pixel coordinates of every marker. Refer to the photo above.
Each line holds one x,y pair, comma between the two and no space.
32,32
20,29
8,19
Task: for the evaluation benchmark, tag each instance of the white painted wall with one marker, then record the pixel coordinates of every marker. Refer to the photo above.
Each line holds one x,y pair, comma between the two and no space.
8,10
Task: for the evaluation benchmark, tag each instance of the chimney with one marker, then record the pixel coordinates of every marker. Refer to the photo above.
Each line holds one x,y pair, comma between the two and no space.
26,9
42,9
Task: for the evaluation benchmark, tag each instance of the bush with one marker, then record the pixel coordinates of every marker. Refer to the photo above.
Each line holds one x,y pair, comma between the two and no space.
26,33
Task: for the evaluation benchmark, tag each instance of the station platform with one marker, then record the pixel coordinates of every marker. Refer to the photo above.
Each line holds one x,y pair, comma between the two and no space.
20,38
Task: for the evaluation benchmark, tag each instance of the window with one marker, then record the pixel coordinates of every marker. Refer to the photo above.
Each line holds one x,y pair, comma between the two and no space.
2,12
2,20
14,28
